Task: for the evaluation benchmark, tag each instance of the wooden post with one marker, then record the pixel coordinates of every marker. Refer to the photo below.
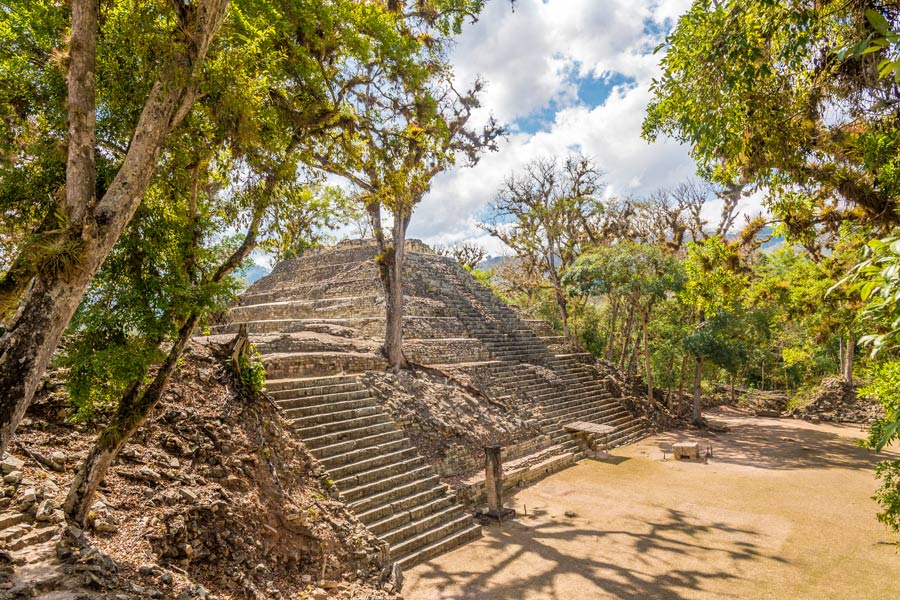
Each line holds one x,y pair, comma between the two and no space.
493,477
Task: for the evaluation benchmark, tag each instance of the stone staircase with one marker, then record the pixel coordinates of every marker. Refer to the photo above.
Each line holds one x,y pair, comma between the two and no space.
377,471
577,394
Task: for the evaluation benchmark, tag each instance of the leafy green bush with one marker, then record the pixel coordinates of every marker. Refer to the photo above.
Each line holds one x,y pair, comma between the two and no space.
888,495
250,372
884,387
590,327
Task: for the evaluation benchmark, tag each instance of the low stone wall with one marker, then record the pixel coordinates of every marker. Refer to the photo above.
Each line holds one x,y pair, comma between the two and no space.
360,306
321,364
440,351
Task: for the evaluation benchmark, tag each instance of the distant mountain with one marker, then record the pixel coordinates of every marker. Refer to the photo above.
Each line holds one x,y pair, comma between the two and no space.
252,274
492,261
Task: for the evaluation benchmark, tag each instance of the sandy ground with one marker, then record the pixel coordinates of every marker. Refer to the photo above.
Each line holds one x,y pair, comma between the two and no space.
782,510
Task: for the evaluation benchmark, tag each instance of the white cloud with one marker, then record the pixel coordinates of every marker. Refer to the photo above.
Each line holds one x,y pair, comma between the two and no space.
531,59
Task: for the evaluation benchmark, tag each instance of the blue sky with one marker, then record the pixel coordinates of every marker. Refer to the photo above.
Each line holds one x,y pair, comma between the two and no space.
561,75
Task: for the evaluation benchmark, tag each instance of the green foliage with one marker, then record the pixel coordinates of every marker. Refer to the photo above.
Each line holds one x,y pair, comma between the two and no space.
250,372
721,340
882,40
145,290
715,276
639,272
590,327
758,92
888,495
885,387
481,276
302,217
877,281
102,367
278,94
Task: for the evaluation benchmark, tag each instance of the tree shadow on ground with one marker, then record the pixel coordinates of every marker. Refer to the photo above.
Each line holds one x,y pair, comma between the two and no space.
666,541
779,444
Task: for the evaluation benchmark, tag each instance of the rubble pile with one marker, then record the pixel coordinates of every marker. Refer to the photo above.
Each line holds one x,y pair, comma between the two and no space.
836,400
441,417
212,498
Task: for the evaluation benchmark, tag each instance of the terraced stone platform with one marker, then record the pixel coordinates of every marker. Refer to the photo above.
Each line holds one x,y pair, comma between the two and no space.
318,321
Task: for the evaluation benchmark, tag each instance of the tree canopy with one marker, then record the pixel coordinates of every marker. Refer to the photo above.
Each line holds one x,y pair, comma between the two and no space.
762,94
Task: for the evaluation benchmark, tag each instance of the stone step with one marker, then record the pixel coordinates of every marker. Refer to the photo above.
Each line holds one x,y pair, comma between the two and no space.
344,426
383,471
310,289
616,422
365,443
427,522
328,307
569,388
319,391
14,532
38,535
327,271
407,502
401,452
401,517
327,420
11,518
373,489
345,440
317,364
324,408
626,432
600,406
399,491
274,384
632,437
599,413
434,541
362,453
263,326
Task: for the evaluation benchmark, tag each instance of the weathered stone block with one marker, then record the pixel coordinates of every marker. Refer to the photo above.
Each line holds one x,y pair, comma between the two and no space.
686,450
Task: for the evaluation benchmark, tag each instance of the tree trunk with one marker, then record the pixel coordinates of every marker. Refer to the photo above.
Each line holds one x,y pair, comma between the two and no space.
559,294
629,321
393,342
80,108
698,375
635,348
46,308
611,338
682,376
848,347
389,261
130,415
647,365
563,306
